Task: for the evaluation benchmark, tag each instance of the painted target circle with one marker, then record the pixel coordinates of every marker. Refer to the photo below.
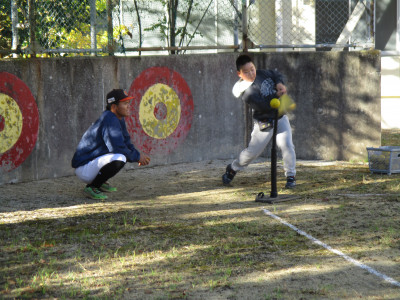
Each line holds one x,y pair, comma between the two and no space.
162,110
159,111
19,121
11,124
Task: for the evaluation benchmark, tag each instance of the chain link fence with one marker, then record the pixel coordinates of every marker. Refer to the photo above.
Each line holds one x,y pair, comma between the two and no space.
183,26
312,23
144,27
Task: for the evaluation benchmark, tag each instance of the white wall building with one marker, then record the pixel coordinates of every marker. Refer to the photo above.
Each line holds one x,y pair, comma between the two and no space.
388,40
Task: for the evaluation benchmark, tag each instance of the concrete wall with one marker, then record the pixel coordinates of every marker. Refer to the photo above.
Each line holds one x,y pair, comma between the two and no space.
337,95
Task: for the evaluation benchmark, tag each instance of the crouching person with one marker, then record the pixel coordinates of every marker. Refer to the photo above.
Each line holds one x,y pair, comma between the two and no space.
106,147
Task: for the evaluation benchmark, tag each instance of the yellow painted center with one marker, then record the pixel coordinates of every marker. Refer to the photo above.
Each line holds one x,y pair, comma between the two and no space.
159,128
12,119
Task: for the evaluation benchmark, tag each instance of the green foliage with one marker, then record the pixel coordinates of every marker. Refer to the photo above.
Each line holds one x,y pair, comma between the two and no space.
58,24
390,137
5,26
6,22
58,21
101,5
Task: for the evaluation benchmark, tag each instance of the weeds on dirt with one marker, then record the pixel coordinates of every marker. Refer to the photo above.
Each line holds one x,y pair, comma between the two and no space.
196,239
390,137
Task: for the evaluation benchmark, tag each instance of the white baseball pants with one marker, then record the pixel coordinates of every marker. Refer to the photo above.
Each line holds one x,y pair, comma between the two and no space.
87,173
260,139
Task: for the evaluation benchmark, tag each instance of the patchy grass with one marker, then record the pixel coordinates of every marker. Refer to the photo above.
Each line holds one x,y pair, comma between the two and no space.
177,233
390,137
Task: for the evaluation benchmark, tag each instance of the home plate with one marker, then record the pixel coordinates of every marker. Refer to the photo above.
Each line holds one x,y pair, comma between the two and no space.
261,197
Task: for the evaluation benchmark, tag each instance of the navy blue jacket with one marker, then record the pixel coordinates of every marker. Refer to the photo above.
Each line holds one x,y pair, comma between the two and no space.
261,92
107,135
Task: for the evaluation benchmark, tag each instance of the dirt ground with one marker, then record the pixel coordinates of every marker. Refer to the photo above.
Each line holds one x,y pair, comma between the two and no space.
339,203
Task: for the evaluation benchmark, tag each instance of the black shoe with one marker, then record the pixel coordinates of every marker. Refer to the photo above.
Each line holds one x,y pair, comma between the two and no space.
290,182
229,175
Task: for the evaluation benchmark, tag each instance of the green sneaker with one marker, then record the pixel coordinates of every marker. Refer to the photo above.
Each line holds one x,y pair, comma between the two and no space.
106,187
94,193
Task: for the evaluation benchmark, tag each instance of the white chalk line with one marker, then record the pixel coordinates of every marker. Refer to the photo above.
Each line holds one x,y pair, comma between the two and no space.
340,253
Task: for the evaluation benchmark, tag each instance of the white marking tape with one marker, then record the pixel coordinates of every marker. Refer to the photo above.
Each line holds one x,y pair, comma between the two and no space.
340,253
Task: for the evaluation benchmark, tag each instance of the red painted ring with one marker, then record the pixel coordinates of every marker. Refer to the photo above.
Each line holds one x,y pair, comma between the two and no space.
20,93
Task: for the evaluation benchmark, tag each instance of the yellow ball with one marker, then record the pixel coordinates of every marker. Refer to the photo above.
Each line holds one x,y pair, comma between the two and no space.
275,103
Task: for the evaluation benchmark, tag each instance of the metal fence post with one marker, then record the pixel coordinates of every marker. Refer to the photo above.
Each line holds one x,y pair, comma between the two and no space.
244,25
14,26
93,42
110,48
235,22
398,29
32,28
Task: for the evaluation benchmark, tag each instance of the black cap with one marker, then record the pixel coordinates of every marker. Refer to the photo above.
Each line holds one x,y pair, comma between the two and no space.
117,95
